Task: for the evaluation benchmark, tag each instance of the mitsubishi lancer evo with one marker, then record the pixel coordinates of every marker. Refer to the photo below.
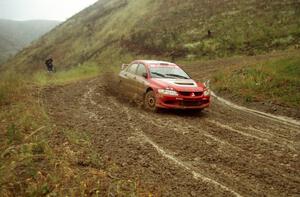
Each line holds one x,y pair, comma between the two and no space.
163,85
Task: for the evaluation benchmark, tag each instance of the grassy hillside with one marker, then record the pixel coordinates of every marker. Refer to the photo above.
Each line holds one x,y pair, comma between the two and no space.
15,35
113,31
31,164
276,81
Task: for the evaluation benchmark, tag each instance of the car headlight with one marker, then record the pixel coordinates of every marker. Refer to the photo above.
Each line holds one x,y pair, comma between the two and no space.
168,92
206,93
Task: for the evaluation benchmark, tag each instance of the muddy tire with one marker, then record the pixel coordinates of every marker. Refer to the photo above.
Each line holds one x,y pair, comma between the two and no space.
150,102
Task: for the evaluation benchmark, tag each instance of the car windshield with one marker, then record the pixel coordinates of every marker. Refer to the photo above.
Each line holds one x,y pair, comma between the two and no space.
170,71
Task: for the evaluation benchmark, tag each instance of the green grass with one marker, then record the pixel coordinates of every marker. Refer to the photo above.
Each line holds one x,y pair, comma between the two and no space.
24,125
11,84
277,81
67,76
30,165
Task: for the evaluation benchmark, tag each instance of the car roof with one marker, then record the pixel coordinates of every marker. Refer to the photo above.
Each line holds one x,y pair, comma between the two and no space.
154,62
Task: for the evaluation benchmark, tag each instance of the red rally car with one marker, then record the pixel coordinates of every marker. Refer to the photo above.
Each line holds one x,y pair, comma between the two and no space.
163,85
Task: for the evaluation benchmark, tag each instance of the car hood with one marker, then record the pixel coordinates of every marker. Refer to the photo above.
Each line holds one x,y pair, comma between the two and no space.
178,84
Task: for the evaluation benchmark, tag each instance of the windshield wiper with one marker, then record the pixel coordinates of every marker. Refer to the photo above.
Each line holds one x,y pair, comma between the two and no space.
159,74
178,76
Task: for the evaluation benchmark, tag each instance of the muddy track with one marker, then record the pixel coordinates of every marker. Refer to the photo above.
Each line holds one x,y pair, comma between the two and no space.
223,151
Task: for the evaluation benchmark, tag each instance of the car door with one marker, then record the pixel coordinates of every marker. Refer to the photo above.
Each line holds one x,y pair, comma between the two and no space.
130,80
141,81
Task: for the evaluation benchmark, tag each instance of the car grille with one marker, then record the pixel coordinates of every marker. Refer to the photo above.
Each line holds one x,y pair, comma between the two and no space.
190,93
191,103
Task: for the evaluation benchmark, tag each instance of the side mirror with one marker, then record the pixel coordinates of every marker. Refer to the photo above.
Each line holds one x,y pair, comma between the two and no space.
207,83
124,66
145,75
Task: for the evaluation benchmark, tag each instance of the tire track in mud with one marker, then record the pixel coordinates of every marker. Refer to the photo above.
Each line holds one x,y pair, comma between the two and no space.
87,98
170,156
145,118
284,120
278,134
259,156
265,141
250,124
227,151
224,155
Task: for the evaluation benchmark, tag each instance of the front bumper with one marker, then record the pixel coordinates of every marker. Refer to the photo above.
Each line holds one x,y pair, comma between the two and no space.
182,102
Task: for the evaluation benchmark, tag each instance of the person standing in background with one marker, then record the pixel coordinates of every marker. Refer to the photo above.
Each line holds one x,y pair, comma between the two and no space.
49,64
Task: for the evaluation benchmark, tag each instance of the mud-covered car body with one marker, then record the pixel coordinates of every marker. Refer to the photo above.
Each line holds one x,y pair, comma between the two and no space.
162,85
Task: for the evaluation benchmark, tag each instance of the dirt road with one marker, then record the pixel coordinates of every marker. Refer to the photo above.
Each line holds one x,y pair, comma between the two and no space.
222,151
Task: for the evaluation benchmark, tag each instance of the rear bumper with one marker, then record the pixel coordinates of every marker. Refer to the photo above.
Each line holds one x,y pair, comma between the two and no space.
182,102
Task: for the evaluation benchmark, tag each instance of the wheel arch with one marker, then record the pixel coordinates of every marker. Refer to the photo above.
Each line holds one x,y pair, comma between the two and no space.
148,89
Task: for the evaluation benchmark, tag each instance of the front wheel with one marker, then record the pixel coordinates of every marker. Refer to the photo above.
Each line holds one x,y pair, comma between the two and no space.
150,101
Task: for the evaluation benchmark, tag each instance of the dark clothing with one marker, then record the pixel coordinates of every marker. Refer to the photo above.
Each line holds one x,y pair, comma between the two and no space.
49,64
209,33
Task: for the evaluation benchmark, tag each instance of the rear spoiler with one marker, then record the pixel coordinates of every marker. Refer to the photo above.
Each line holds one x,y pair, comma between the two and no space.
124,66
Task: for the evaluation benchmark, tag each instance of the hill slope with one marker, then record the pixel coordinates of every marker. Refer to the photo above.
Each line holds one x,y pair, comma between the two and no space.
15,35
112,31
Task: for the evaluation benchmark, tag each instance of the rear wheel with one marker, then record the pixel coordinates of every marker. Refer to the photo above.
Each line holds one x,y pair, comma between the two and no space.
150,101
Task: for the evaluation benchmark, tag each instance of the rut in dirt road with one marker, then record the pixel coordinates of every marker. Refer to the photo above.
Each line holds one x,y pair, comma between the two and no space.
284,120
220,152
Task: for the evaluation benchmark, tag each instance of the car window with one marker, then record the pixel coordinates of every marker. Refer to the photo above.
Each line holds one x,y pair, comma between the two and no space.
132,68
141,70
159,71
